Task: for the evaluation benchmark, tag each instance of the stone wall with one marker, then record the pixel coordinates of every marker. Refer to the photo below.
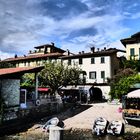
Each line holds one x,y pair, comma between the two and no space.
40,111
25,117
31,114
10,90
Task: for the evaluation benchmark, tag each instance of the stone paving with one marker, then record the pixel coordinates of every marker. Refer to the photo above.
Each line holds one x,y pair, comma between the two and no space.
86,118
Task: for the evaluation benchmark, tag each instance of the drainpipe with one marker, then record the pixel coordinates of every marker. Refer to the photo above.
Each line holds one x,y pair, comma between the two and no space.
36,86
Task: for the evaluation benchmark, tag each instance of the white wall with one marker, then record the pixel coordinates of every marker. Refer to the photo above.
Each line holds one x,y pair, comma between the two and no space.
98,67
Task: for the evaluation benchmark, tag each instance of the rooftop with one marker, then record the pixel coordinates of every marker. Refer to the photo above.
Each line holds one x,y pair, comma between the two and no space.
52,45
105,52
39,56
135,38
17,72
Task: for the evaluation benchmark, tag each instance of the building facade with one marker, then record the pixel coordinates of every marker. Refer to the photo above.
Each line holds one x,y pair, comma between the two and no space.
97,66
132,45
41,54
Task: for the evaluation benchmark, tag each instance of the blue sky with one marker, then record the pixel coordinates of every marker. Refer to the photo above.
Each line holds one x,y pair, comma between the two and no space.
71,24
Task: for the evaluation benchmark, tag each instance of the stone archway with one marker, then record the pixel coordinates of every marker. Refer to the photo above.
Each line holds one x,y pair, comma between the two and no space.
95,94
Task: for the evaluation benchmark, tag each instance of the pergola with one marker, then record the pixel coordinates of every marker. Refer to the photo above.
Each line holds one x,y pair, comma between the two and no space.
16,73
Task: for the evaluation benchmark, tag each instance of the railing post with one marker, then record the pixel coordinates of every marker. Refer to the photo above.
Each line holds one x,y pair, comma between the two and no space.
55,133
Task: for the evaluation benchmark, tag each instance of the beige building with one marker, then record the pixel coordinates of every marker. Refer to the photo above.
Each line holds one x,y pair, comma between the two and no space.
132,45
41,54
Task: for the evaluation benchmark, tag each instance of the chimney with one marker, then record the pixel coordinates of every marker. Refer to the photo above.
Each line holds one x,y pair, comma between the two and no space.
30,51
92,49
68,52
82,52
98,49
52,43
104,48
16,56
79,52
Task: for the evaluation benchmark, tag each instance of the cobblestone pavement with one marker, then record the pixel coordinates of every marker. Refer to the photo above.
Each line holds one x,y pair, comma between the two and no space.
85,119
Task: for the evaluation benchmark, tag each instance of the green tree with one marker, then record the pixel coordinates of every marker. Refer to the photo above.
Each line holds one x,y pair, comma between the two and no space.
28,80
122,82
56,75
132,63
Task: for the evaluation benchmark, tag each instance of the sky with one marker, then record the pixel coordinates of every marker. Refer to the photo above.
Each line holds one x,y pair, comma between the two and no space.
76,25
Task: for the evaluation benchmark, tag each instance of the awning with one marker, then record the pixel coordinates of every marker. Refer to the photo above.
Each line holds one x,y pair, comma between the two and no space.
43,89
76,87
134,94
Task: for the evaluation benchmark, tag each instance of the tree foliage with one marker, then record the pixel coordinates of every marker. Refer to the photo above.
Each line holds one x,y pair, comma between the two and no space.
122,82
28,80
57,75
133,64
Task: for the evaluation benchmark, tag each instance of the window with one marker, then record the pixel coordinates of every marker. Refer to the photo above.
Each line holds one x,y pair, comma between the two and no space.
102,74
80,61
92,60
17,64
92,75
102,60
69,62
132,52
28,64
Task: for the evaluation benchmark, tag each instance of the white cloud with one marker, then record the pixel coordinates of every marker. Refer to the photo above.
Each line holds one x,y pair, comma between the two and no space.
24,26
6,55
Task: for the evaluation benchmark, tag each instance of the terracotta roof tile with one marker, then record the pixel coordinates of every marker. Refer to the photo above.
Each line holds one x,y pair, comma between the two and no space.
34,56
7,71
107,52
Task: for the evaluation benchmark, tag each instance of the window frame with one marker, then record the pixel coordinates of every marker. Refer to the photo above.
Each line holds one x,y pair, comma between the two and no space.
90,75
103,74
80,61
92,60
69,61
102,60
132,52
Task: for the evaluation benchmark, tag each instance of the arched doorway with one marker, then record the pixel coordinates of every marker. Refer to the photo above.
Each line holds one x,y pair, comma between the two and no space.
95,94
